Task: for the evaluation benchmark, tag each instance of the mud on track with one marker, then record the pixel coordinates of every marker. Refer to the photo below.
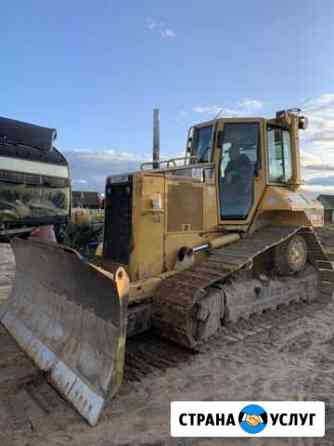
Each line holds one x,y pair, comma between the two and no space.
282,354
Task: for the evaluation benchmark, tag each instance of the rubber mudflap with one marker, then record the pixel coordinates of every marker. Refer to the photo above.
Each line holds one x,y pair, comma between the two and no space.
70,318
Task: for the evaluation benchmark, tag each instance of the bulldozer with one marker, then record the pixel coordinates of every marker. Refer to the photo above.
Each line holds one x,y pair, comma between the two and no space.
190,244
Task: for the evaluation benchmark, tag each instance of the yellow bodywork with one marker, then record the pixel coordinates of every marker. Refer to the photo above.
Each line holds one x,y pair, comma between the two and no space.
169,212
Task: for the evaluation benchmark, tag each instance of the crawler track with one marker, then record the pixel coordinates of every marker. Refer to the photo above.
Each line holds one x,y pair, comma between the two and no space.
178,297
147,354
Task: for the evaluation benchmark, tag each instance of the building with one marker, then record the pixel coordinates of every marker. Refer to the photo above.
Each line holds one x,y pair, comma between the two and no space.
87,200
328,203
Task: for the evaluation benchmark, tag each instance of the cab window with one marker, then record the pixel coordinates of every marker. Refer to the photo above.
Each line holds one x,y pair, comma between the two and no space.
238,166
202,143
279,151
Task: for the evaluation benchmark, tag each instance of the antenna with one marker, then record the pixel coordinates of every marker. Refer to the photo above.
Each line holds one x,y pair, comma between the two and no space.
218,114
156,138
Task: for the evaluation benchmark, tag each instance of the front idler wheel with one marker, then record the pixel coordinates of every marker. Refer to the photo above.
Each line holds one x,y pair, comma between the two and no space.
291,256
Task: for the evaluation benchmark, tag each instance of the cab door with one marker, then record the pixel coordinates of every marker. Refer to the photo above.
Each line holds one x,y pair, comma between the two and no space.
240,169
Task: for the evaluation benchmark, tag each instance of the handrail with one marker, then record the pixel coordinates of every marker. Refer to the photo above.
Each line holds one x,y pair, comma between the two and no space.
170,163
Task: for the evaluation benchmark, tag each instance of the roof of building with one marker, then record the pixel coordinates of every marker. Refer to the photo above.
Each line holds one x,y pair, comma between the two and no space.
326,200
86,199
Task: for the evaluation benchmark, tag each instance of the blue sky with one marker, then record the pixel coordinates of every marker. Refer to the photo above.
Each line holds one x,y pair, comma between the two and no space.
95,70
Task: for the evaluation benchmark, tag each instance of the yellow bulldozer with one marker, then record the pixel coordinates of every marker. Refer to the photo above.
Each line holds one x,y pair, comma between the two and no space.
190,244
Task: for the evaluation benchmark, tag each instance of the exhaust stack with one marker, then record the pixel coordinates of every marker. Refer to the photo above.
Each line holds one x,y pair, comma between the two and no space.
156,138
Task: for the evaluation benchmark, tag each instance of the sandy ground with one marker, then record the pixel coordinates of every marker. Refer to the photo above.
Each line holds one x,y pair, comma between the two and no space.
287,355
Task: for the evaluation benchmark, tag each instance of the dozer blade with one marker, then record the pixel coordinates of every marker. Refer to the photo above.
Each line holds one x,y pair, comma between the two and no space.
70,318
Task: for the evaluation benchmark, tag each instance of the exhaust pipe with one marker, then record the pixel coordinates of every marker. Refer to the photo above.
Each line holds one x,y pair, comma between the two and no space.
156,138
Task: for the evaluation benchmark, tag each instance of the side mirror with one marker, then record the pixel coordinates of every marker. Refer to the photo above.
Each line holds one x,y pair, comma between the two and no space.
189,144
302,123
190,139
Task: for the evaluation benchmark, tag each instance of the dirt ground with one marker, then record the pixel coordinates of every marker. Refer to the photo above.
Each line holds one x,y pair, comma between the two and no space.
287,354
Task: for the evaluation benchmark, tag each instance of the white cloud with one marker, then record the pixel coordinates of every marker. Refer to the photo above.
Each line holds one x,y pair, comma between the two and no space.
164,31
150,24
242,108
167,33
309,160
108,155
319,137
207,109
317,144
89,168
251,104
79,181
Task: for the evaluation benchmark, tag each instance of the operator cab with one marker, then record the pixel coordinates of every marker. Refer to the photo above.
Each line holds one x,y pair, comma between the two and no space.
251,153
238,143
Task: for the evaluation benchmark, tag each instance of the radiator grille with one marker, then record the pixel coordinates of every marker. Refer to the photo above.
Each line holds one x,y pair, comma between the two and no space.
118,222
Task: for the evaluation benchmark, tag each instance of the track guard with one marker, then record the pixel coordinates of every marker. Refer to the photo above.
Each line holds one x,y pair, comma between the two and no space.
70,317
